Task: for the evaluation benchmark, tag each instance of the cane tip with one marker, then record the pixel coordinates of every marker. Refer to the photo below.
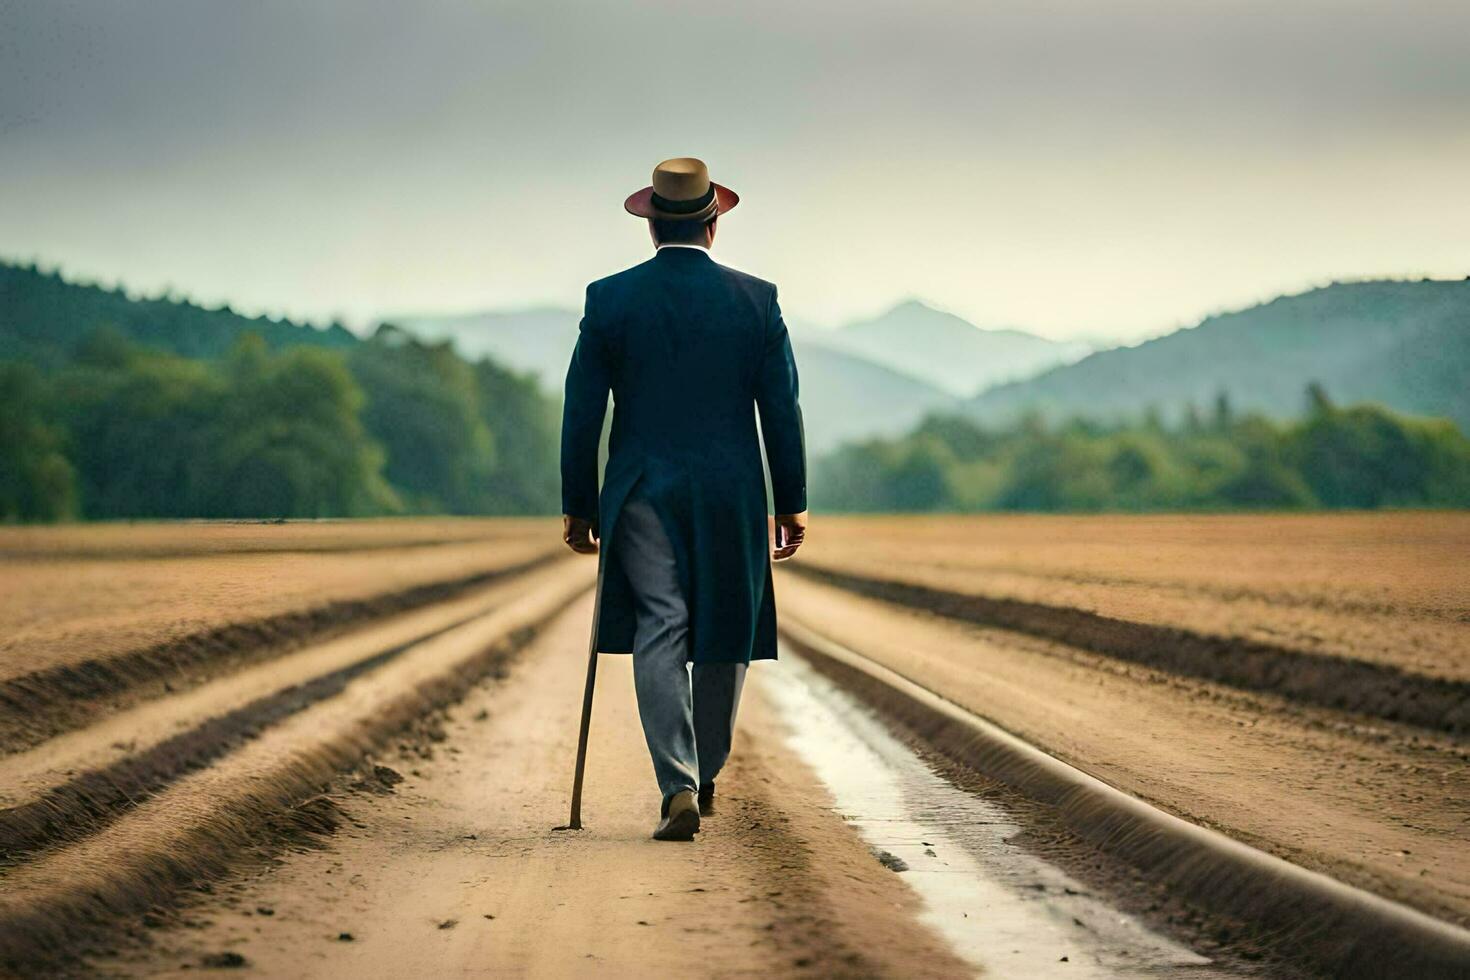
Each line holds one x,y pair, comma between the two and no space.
568,826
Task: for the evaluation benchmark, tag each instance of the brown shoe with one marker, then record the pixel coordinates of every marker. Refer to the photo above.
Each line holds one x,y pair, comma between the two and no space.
706,799
680,818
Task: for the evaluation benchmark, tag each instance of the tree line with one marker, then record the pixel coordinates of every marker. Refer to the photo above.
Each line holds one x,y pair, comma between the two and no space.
1360,456
388,426
121,407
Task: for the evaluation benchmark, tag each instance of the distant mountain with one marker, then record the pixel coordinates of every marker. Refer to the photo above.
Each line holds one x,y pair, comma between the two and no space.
844,396
44,318
947,351
535,340
1405,345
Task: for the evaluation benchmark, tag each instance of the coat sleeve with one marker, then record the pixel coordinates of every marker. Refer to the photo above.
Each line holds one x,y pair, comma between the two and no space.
584,405
776,395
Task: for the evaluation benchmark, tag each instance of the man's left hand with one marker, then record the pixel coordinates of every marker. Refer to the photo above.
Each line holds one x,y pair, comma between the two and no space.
790,534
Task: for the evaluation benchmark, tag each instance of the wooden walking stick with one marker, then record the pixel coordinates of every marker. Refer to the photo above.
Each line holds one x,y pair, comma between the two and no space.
575,822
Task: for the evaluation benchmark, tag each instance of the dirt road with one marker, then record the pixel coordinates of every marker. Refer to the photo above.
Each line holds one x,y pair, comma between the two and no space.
190,782
458,872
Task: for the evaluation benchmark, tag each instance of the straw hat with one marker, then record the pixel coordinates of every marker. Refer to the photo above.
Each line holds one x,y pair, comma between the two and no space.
681,191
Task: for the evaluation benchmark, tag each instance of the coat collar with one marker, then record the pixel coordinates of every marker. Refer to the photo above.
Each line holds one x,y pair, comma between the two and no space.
682,253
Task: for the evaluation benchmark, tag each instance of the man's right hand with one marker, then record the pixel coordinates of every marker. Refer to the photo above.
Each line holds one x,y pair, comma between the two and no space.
790,533
579,534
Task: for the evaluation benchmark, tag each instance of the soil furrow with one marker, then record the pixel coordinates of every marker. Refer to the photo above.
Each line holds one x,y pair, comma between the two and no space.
1376,812
1310,918
458,871
42,704
204,824
1361,687
83,805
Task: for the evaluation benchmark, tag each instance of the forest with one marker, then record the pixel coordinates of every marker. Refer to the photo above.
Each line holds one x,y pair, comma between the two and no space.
121,408
1360,456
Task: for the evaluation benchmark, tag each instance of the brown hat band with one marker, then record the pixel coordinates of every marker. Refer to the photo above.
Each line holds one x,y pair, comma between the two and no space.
685,207
700,208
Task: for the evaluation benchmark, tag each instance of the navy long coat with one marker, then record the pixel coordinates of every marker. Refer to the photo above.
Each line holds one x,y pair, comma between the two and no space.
689,349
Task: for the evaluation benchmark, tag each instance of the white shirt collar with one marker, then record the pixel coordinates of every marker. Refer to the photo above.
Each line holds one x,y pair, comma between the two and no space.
702,248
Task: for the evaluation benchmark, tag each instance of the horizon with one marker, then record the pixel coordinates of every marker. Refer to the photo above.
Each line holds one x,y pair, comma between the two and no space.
365,327
1075,171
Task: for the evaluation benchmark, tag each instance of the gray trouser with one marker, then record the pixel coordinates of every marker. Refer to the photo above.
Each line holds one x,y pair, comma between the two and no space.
688,724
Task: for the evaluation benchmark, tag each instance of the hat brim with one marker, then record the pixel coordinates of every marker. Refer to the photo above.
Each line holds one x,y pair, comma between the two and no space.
640,204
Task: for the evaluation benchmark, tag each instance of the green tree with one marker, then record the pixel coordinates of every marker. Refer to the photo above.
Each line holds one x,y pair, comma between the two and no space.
524,425
287,440
918,481
37,482
852,478
1366,456
423,406
1194,424
140,431
1142,475
1066,472
1209,463
961,436
1318,404
1224,414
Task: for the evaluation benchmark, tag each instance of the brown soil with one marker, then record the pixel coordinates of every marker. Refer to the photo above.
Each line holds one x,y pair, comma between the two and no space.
1363,687
199,825
121,739
458,870
173,539
1378,806
89,593
70,786
92,636
1387,589
778,884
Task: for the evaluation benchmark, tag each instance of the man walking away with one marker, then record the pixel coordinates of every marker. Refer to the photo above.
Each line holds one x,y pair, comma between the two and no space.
689,350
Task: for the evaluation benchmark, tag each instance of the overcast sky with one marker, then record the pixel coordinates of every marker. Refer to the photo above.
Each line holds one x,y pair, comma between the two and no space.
1076,168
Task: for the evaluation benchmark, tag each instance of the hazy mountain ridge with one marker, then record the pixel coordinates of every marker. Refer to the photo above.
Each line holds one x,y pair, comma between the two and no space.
538,340
926,346
876,377
1405,345
948,351
844,395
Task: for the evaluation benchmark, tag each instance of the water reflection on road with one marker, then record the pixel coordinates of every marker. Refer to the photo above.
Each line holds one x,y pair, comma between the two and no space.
1003,909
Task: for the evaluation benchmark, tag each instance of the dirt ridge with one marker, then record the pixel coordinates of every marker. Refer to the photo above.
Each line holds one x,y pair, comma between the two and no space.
1376,690
82,805
1303,915
45,703
201,826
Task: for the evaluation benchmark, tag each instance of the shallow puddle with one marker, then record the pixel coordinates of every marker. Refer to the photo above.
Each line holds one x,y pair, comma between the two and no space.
1006,911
